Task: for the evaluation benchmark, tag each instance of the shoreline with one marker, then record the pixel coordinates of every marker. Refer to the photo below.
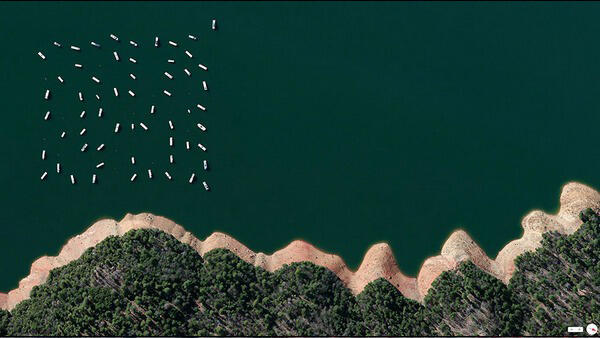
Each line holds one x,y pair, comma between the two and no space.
378,262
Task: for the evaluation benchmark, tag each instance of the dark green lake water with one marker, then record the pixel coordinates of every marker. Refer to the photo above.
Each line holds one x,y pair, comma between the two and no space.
344,124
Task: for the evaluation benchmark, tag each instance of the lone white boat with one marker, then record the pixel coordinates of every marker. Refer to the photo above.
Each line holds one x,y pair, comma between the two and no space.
192,37
169,75
202,127
205,186
44,175
167,174
57,44
171,160
100,147
82,132
47,94
200,106
72,179
191,180
78,65
95,79
170,141
94,179
132,126
187,72
117,127
80,96
132,60
205,162
61,79
47,116
189,111
172,43
114,37
84,147
188,54
97,97
201,147
131,93
202,66
99,165
187,145
62,135
132,76
171,61
133,177
132,160
143,126
133,43
214,25
75,48
149,173
156,41
58,168
95,44
116,55
43,154
82,115
167,92
152,109
204,85
42,55
100,112
116,91
171,125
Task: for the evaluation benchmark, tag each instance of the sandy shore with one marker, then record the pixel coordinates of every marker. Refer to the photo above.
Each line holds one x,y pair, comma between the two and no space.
378,261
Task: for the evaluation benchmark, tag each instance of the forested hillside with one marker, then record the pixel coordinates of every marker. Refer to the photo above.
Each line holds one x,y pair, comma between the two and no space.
148,283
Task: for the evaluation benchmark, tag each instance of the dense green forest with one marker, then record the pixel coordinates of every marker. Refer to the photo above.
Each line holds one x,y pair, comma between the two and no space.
148,283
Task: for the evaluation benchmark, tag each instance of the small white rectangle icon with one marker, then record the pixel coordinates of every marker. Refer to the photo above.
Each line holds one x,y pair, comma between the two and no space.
575,329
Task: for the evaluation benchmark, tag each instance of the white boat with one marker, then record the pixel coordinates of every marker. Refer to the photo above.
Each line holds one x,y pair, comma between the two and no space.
100,112
57,44
204,85
192,37
205,186
191,180
75,48
47,116
214,24
116,91
189,111
149,173
152,109
202,127
43,154
100,165
95,79
132,126
205,162
82,132
171,61
132,160
172,43
72,179
47,94
114,37
61,79
187,72
116,55
80,96
78,65
187,145
82,115
117,127
143,126
131,93
133,43
42,55
169,75
44,175
132,76
202,66
58,168
95,44
188,54
132,60
97,97
170,141
94,179
171,160
84,147
133,177
63,134
171,124
100,147
156,41
201,147
167,92
200,106
167,174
